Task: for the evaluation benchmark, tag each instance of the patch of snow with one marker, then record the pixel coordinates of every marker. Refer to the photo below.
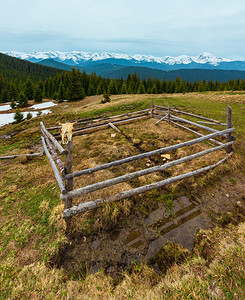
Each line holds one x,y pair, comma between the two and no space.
43,105
5,107
9,118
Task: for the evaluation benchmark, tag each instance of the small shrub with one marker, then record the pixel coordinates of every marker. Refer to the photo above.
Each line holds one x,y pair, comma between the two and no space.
18,116
106,98
13,104
233,180
28,116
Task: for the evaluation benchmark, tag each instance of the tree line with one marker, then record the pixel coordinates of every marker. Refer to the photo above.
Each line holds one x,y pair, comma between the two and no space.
75,85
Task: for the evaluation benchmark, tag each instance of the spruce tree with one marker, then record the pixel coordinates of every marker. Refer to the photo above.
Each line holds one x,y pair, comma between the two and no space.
22,100
76,91
13,103
100,89
18,116
141,89
28,89
61,92
37,94
124,88
112,88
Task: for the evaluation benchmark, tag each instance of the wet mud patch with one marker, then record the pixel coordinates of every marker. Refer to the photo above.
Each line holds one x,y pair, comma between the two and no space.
138,241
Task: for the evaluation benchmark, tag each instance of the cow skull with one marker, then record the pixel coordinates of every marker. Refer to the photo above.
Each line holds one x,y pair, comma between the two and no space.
66,132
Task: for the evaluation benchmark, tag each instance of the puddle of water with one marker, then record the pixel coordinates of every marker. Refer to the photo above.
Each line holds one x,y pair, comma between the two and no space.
140,240
132,236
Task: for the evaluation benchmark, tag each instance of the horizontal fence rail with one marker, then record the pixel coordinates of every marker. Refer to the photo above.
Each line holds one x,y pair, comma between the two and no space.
148,154
83,207
103,119
186,113
124,178
103,126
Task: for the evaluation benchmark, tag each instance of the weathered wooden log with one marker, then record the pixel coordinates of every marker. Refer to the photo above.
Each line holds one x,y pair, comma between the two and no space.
105,124
173,118
114,127
210,123
163,118
148,154
169,115
55,155
83,207
188,114
99,127
18,155
229,125
56,172
68,170
53,139
91,121
97,186
197,133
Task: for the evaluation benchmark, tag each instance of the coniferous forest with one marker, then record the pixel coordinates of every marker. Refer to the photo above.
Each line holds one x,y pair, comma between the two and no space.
21,81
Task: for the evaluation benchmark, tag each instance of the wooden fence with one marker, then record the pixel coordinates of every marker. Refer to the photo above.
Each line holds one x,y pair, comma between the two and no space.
65,173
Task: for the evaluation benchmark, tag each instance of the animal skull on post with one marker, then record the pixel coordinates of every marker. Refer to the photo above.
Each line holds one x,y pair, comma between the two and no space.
66,132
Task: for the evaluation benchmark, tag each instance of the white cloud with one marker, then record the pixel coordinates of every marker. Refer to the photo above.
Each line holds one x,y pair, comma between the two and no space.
159,27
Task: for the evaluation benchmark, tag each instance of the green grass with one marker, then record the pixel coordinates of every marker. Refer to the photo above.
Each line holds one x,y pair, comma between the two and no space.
32,231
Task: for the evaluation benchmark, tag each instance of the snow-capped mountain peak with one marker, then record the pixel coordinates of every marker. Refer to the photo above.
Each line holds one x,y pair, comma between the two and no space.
76,57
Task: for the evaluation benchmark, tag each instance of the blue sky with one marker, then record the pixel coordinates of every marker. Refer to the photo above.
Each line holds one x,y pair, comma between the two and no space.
157,27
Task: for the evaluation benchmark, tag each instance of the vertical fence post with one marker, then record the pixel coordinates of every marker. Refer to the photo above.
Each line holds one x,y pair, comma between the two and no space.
169,117
152,108
69,182
229,125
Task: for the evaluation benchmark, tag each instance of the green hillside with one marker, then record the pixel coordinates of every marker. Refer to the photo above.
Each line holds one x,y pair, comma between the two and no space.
42,258
20,70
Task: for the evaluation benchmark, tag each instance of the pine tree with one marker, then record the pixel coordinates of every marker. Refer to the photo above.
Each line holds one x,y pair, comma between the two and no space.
22,100
13,91
4,97
37,94
154,89
100,88
76,91
28,116
61,93
91,90
124,88
141,89
112,88
18,116
28,89
13,103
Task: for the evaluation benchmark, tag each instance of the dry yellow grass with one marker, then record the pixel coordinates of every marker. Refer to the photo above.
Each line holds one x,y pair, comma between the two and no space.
32,229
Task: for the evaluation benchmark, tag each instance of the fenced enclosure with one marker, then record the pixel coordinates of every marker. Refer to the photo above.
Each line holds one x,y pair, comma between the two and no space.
64,170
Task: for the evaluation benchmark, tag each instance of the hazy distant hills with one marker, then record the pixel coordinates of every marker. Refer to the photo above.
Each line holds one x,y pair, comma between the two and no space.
75,58
110,65
108,70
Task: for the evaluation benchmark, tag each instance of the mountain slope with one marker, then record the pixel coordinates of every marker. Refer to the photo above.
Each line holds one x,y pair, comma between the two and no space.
14,68
187,74
115,71
202,61
54,64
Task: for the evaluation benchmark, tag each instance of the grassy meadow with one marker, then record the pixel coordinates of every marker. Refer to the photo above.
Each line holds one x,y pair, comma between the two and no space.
32,230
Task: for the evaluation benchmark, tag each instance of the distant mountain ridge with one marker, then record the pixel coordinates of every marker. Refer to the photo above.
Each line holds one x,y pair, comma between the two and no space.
82,59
